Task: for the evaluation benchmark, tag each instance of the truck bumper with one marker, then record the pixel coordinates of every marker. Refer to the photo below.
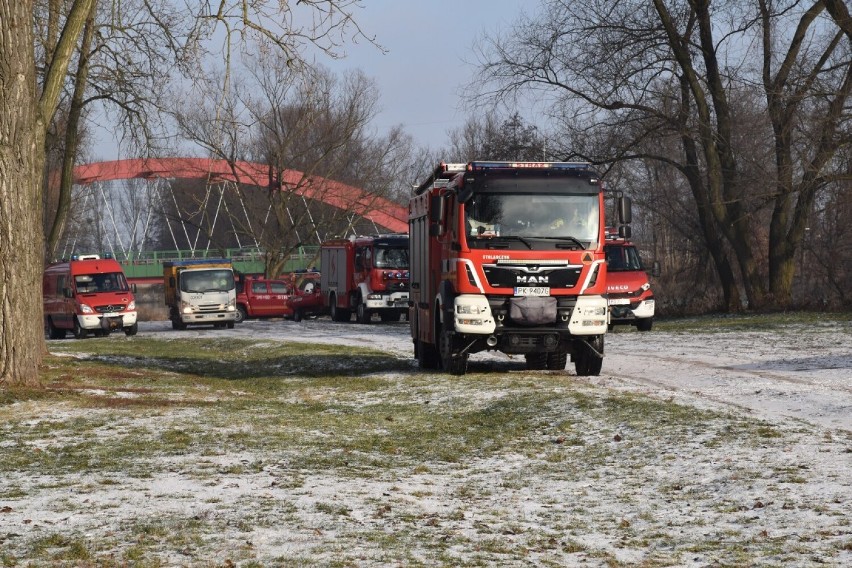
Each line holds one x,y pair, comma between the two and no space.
107,321
626,314
212,317
398,300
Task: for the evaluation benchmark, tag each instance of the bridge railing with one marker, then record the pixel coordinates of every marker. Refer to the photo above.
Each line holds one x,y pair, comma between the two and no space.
248,260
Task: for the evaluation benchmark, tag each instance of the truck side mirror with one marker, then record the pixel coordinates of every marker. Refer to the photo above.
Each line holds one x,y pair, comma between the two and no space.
67,293
625,210
436,216
133,288
655,269
625,231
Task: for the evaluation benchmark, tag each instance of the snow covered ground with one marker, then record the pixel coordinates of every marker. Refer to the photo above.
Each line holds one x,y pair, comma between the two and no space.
781,496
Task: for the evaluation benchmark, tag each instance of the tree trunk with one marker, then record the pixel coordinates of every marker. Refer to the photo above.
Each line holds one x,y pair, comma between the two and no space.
21,162
72,136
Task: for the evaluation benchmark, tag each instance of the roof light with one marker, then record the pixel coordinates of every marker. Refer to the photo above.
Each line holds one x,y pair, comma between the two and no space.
473,166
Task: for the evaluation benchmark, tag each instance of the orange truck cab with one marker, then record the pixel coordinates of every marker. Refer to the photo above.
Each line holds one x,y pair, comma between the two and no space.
87,294
629,294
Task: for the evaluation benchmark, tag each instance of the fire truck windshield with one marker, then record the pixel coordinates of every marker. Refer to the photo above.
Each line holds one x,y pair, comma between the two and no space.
548,217
207,281
620,258
394,258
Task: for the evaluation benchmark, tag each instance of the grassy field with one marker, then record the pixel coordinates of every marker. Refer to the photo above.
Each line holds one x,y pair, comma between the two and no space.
223,452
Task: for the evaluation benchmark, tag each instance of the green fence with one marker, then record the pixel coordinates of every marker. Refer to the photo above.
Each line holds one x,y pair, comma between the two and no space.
149,264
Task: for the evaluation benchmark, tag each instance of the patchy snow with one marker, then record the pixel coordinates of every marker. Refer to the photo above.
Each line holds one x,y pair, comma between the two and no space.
779,505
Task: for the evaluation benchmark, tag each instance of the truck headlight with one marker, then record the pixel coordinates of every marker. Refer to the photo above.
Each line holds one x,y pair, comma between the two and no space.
472,309
132,305
86,309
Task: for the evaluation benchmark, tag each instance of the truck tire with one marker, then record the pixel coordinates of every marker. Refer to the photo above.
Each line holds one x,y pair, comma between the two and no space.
54,332
131,330
79,332
338,314
297,315
556,360
241,314
588,359
427,356
536,361
362,314
644,324
451,362
177,323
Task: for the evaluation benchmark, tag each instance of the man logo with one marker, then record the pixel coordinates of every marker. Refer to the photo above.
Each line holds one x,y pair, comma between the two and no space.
532,279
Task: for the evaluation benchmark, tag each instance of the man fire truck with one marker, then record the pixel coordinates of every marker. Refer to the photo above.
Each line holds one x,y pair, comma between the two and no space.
365,275
631,301
509,256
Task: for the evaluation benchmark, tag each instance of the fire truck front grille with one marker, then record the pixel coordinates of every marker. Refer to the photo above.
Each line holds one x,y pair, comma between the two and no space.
210,307
109,308
511,276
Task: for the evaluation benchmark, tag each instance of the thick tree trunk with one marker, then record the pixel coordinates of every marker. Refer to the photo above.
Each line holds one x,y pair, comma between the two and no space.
21,240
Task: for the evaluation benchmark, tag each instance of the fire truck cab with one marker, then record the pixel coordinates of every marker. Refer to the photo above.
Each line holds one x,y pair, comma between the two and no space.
631,300
508,256
87,294
365,275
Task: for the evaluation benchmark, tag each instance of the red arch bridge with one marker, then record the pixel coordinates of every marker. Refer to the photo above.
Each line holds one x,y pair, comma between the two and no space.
124,219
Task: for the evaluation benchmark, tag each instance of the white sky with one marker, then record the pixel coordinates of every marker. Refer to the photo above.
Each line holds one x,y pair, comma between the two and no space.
429,58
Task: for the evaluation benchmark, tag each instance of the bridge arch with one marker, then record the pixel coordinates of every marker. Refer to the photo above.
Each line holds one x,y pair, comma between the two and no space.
383,212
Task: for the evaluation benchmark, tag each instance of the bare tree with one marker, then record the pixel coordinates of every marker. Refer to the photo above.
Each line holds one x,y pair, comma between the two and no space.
657,72
28,109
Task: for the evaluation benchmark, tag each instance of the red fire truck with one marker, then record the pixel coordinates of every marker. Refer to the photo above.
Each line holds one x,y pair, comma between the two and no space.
631,301
508,256
365,275
87,294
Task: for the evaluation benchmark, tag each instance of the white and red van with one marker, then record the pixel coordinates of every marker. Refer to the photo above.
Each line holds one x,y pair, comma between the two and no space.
630,298
87,293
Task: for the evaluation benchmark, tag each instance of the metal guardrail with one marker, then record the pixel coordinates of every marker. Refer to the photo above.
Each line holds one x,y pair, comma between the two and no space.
149,264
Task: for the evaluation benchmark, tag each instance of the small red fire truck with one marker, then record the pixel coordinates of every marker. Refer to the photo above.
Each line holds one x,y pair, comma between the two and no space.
631,301
87,293
365,275
508,256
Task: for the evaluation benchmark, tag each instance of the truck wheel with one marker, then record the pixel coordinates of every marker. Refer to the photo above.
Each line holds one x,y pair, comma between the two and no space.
54,332
177,324
79,332
589,358
644,324
230,325
128,331
338,314
556,360
427,356
453,365
297,315
536,361
362,314
241,314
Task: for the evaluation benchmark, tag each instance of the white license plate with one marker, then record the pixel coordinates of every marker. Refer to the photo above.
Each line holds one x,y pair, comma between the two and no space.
532,291
618,301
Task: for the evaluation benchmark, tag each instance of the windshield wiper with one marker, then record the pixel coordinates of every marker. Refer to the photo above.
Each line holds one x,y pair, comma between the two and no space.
573,240
513,238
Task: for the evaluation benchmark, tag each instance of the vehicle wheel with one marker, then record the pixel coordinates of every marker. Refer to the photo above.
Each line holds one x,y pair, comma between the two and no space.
54,332
644,324
241,314
427,356
556,360
297,315
589,358
230,325
79,332
177,324
536,361
454,365
129,331
362,314
337,314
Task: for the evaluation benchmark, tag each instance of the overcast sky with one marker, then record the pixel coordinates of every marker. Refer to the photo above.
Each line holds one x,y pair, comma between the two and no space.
429,57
